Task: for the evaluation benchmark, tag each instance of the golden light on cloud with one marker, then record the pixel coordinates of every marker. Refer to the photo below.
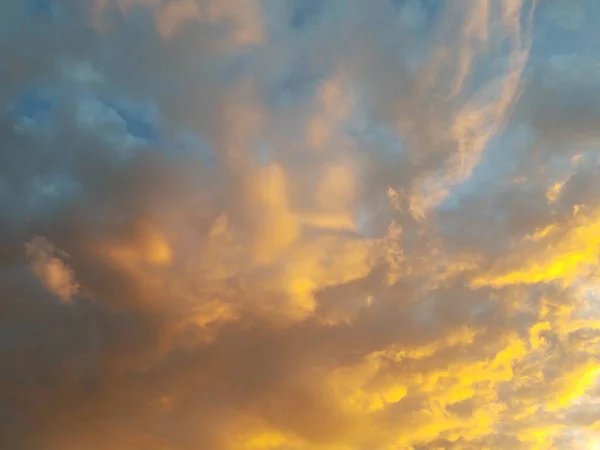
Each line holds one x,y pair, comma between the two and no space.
561,255
47,263
300,225
147,245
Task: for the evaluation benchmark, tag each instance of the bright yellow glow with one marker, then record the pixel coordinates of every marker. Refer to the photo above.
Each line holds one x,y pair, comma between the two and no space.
562,257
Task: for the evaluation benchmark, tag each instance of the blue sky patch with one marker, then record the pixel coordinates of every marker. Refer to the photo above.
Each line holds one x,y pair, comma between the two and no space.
32,105
137,123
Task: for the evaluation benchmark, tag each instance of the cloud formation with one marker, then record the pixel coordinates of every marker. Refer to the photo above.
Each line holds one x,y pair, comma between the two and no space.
50,269
299,224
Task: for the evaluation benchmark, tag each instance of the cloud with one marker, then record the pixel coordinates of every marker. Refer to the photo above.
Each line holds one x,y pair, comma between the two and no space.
47,265
345,225
171,16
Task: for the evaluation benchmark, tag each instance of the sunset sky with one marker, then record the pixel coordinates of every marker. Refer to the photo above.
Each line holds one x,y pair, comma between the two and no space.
299,224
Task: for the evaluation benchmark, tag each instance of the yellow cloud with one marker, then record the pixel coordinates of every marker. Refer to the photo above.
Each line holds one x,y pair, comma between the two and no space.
563,256
276,227
147,244
323,262
573,385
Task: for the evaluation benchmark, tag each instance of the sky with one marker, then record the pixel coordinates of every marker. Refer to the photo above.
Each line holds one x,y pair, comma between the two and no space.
299,225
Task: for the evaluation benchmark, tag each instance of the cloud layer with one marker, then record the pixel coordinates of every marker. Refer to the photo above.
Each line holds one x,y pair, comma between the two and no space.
299,224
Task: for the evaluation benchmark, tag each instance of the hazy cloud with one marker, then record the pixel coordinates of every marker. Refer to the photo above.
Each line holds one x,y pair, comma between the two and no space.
47,264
